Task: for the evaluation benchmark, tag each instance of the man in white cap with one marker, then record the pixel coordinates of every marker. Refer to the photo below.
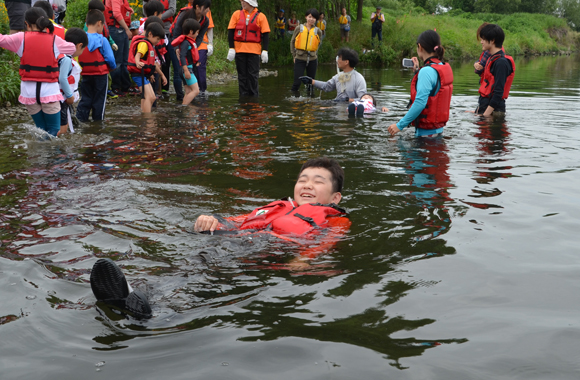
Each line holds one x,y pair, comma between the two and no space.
248,37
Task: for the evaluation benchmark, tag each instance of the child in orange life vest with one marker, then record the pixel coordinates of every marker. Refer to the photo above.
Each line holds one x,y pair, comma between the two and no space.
39,51
70,74
498,73
142,63
188,56
431,89
96,60
314,208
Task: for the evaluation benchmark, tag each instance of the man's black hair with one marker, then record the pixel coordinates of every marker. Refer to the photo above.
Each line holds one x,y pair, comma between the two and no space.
46,7
201,3
349,55
94,16
332,166
493,32
97,4
155,29
76,36
190,25
313,12
153,6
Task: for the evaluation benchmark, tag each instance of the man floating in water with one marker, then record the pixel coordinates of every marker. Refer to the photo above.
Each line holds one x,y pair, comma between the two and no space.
312,211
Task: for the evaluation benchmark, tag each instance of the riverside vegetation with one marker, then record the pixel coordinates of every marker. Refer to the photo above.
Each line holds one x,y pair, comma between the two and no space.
526,34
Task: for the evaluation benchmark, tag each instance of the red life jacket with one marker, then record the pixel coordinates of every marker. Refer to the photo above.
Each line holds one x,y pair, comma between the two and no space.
38,63
59,31
192,55
248,31
436,114
282,217
487,82
126,10
166,7
148,60
93,62
161,49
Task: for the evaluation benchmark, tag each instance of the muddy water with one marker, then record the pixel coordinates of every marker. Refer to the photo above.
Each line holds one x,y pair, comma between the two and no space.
461,262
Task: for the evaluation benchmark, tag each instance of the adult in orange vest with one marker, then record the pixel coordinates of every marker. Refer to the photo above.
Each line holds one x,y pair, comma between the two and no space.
498,73
431,89
248,35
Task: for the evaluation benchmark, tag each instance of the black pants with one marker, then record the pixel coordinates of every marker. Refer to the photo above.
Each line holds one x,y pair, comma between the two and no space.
248,66
299,67
484,102
93,90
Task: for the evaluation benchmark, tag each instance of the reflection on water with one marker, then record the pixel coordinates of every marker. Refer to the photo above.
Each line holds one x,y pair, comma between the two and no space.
460,246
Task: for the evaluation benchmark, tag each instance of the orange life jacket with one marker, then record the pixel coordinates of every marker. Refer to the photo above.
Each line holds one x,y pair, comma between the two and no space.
436,114
125,9
284,218
93,62
148,60
38,63
248,30
487,83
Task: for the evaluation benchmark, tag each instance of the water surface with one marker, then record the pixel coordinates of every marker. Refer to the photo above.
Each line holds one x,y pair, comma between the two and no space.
461,262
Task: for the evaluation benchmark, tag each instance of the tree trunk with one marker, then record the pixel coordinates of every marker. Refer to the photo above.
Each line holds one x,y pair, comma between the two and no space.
359,12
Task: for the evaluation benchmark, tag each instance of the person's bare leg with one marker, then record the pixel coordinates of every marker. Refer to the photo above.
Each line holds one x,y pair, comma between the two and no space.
191,94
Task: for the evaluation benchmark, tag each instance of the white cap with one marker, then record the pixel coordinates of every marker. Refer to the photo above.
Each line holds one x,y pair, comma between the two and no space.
253,3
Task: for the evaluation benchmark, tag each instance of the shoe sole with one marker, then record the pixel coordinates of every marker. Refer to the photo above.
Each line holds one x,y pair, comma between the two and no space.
360,110
108,281
138,305
351,108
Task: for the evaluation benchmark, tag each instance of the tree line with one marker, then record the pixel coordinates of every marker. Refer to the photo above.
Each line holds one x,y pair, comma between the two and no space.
569,9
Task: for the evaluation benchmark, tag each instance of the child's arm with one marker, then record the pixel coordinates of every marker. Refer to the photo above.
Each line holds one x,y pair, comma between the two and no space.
64,67
107,53
12,42
161,75
138,62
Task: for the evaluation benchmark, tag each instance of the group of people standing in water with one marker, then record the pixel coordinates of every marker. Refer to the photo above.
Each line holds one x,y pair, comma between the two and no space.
42,70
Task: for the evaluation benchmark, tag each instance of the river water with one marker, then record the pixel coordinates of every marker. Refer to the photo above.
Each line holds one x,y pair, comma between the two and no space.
462,261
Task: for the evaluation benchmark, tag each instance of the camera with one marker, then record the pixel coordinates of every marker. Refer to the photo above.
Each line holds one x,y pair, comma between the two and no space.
407,62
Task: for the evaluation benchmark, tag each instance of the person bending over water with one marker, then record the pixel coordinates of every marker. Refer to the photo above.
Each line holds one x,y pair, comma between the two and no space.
431,89
313,211
349,84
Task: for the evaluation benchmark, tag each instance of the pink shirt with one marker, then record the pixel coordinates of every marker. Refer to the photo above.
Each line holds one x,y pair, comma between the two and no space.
50,92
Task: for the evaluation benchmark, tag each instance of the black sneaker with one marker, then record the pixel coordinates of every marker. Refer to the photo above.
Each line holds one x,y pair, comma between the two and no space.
108,281
351,109
119,92
360,110
138,305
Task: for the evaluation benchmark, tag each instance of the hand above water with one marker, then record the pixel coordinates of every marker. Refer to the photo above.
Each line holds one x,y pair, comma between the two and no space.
306,80
393,129
205,223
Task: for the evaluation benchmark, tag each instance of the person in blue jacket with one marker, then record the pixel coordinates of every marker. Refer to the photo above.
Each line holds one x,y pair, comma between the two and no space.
431,89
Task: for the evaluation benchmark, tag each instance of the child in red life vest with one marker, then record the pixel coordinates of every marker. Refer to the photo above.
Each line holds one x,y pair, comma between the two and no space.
188,56
498,73
431,89
314,208
39,51
97,60
142,63
69,76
